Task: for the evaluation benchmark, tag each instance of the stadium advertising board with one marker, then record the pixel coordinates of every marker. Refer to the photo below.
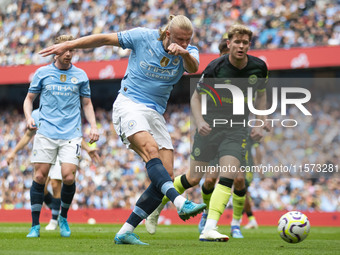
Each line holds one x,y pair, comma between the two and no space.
280,59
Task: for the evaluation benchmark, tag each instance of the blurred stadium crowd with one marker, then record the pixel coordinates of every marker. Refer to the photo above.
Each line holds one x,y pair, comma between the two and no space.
28,26
119,179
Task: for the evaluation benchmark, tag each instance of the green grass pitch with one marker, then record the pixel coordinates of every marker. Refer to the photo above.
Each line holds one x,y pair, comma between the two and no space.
179,240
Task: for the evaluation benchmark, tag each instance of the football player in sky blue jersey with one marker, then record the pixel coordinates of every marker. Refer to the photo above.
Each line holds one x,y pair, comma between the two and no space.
53,202
157,61
63,88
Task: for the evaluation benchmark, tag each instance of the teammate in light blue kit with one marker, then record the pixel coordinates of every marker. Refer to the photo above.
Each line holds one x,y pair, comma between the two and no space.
158,60
62,87
54,176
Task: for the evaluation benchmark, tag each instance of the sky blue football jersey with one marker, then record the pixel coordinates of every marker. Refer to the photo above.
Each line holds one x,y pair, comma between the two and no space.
151,72
60,92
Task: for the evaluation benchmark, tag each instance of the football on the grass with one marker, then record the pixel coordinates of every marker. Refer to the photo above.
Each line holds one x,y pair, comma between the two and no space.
293,227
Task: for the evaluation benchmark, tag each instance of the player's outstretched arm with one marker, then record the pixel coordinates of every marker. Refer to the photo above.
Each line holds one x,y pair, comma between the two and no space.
91,41
260,104
21,144
203,127
28,107
258,155
91,118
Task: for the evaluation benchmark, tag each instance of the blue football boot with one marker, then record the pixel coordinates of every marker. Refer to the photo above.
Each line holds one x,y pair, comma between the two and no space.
34,231
128,238
190,209
64,228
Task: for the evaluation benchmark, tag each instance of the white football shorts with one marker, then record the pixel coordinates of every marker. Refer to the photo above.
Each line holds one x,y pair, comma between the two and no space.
129,118
55,171
46,150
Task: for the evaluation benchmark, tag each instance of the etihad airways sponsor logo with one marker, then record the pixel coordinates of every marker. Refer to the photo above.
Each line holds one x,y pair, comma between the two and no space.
62,88
157,70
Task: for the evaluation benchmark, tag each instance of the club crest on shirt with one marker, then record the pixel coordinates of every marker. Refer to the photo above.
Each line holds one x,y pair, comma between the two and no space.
132,124
164,61
63,77
74,80
175,61
252,79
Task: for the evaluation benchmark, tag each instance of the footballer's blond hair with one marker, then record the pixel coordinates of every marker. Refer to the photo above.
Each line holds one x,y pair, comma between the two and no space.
179,21
63,38
239,29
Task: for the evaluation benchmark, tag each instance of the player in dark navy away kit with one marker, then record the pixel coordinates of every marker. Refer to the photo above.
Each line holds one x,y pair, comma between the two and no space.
228,142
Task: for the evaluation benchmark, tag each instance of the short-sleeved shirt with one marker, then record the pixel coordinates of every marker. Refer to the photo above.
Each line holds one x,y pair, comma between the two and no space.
225,139
151,72
60,92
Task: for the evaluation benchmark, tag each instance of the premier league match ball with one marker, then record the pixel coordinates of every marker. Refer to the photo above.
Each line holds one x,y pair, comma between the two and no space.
293,227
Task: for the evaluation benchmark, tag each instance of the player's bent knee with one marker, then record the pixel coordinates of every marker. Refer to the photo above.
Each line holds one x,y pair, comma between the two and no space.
209,183
68,180
55,184
39,178
56,187
193,181
239,183
152,151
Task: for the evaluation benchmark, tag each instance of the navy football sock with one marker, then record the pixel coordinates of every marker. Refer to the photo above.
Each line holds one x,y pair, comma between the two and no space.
146,204
55,206
67,193
161,178
48,200
37,199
